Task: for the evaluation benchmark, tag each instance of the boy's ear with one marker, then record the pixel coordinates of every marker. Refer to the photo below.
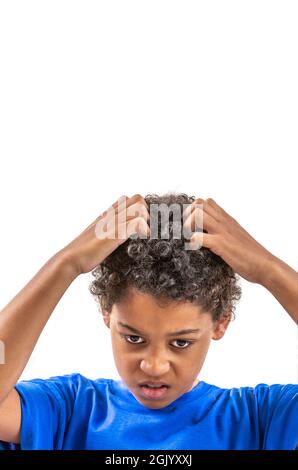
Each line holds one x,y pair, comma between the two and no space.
106,318
221,326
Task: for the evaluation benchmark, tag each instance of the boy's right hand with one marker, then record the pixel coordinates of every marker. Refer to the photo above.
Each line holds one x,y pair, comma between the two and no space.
105,234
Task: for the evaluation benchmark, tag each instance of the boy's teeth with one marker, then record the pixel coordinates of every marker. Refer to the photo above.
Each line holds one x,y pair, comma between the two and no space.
154,386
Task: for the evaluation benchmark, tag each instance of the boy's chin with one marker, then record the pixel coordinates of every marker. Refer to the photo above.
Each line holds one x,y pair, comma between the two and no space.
154,405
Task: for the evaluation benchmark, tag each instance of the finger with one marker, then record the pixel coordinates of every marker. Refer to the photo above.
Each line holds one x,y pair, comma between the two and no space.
206,206
199,219
123,210
200,239
133,206
130,217
137,198
190,207
213,209
137,227
137,210
217,208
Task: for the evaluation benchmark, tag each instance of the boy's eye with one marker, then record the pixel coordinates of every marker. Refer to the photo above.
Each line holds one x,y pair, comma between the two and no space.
182,341
133,339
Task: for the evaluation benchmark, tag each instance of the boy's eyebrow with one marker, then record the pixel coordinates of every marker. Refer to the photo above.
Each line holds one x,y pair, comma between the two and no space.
174,333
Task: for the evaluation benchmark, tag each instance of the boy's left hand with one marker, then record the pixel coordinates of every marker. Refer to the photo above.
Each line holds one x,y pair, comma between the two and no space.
227,239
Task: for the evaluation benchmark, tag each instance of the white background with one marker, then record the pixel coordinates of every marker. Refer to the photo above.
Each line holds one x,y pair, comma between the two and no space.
104,98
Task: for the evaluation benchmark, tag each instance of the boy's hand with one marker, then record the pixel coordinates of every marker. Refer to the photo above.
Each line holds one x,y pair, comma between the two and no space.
125,217
227,239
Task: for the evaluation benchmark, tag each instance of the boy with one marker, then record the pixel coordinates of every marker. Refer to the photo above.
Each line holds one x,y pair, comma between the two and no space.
163,304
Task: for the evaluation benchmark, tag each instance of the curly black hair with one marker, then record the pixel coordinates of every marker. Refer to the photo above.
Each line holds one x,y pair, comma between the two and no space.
166,270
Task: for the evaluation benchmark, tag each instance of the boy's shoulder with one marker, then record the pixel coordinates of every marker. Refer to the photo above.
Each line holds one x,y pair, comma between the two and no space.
258,389
263,396
74,380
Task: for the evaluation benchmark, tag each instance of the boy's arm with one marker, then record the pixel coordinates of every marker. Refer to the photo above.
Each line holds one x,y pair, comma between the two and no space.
282,281
22,320
228,239
24,317
21,323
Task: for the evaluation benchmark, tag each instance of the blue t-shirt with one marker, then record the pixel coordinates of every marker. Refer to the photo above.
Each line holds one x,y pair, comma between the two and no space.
74,412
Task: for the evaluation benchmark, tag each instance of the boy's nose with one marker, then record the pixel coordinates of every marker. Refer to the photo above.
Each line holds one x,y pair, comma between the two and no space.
154,366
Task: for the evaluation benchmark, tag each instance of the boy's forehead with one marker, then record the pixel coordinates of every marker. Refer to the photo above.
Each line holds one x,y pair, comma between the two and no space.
134,301
143,309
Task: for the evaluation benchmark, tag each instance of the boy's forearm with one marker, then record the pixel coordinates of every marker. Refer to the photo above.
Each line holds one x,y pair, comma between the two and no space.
24,317
282,281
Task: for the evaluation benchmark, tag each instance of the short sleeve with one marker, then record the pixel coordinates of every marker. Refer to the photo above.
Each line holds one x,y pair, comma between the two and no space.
46,406
278,414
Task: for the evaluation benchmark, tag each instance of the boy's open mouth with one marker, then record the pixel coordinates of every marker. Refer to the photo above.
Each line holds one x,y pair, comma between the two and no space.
154,390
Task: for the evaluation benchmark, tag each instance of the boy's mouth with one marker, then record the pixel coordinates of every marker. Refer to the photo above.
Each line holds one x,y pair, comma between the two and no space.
154,390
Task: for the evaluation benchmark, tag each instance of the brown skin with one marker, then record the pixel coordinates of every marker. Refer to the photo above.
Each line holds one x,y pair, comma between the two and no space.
23,319
156,359
160,357
228,239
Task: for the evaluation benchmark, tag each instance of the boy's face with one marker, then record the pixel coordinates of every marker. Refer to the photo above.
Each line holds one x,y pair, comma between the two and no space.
152,353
